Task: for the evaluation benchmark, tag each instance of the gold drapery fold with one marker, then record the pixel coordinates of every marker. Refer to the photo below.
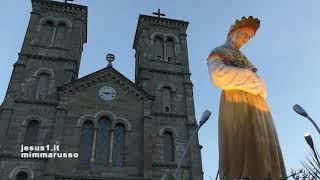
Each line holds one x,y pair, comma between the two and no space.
248,142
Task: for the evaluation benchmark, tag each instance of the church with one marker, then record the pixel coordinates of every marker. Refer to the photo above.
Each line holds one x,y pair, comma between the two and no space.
103,126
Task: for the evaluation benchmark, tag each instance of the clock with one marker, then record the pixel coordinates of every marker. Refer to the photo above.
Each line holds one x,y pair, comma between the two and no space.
107,93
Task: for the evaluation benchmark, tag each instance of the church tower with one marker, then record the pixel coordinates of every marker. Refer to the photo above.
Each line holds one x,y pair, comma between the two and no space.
49,58
162,69
51,51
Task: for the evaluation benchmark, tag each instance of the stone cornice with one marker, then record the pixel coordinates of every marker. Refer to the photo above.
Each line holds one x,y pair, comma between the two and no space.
145,20
169,114
80,10
46,57
165,71
93,177
49,103
168,164
105,75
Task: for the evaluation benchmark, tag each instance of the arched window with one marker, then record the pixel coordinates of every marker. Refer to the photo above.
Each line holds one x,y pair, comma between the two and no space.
86,142
47,30
22,176
170,50
60,35
118,145
168,147
158,48
103,141
31,134
166,99
43,86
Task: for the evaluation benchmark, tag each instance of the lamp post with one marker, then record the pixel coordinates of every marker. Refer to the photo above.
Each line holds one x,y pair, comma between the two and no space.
205,116
298,109
309,140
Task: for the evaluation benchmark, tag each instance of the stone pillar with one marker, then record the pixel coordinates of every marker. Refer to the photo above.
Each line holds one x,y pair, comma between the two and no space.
147,139
52,163
5,116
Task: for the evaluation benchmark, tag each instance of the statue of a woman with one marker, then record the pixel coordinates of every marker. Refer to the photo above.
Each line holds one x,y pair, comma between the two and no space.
248,142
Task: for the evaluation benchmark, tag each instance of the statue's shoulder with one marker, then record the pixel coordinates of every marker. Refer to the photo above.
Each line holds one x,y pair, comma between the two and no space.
220,49
223,52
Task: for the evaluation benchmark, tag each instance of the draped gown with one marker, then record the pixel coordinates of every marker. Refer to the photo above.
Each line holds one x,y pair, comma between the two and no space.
248,142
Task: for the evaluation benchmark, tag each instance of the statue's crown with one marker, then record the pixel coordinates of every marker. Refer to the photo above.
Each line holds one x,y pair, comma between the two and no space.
250,22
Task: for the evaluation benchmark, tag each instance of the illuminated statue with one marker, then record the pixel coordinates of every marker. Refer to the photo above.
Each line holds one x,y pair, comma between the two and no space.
248,142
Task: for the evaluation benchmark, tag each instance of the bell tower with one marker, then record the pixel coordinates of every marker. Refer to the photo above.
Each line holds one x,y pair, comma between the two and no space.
162,69
51,52
50,57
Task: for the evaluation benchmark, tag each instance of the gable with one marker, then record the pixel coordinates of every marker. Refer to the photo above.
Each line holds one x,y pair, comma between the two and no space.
106,76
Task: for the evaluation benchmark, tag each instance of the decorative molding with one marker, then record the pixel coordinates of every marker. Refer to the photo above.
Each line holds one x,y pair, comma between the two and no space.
169,164
165,71
32,117
19,168
169,114
56,21
54,6
49,103
109,74
46,57
168,128
113,118
44,70
145,21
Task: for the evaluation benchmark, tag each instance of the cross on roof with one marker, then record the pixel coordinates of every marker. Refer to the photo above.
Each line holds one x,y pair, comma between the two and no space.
158,13
110,58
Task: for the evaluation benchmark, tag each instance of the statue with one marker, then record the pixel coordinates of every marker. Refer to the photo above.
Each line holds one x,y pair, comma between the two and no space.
248,142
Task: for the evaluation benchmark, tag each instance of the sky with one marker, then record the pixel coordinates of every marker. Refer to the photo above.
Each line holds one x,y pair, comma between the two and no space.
285,50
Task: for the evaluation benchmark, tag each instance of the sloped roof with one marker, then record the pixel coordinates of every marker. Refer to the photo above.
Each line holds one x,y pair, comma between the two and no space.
100,76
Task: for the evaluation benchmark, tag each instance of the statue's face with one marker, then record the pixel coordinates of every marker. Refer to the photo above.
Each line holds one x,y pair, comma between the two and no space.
241,37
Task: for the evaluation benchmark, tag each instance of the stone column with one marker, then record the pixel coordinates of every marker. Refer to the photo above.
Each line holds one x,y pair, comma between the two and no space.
94,145
5,116
61,112
111,147
147,139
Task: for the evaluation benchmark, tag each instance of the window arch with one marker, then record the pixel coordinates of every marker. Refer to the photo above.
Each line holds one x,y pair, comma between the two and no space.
119,145
170,50
22,175
103,141
60,35
168,146
31,134
166,99
86,142
47,33
158,48
43,86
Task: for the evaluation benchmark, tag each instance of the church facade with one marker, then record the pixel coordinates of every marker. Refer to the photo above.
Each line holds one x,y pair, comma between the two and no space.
56,126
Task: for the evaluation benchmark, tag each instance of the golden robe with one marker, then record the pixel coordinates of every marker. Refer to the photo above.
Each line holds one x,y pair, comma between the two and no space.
248,142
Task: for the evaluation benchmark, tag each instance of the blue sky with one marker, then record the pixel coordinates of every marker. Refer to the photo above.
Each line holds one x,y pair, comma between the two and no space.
285,50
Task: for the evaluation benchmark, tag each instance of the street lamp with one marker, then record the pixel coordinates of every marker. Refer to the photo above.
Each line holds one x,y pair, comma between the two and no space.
205,116
309,140
298,109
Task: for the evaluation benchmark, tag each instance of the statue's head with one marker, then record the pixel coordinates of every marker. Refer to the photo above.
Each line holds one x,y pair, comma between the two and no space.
242,31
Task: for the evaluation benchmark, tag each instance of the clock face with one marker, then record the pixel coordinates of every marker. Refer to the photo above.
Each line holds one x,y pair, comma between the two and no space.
107,93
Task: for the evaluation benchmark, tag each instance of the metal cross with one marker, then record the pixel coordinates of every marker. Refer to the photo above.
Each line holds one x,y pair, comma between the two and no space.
66,1
110,58
158,13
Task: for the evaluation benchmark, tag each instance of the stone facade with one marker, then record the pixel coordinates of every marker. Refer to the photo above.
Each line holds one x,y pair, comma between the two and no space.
156,111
